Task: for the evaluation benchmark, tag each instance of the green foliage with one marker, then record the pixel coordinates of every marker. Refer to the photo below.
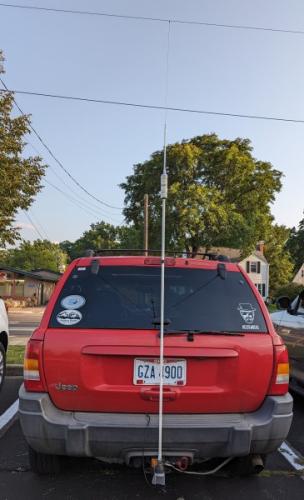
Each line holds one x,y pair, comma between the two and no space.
39,254
100,235
281,265
290,290
219,194
295,245
20,176
103,236
130,237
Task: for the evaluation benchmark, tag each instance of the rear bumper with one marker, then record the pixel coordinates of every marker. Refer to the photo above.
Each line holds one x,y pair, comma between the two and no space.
117,437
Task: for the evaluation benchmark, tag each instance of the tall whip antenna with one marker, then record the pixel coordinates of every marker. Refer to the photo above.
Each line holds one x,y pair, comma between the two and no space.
159,471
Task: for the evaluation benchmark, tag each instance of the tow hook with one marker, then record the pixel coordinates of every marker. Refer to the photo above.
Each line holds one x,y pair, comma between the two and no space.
257,463
182,463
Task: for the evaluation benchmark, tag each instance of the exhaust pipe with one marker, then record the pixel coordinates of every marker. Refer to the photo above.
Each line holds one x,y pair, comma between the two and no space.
257,464
182,463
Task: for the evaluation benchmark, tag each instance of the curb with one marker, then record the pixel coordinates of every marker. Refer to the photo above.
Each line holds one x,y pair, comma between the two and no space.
14,370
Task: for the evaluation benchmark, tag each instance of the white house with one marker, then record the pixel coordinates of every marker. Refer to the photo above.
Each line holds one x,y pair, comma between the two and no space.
255,265
257,268
299,277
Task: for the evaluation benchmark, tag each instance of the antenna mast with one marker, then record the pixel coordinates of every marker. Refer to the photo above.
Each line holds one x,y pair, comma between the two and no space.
159,471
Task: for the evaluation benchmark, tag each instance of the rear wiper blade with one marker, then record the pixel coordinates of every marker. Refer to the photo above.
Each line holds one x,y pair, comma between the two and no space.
156,321
190,333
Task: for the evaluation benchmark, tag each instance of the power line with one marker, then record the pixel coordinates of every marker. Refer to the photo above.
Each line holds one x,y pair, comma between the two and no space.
73,200
56,159
102,212
152,19
33,224
156,107
38,223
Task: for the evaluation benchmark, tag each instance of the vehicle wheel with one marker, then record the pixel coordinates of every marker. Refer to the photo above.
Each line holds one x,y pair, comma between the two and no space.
244,466
44,464
2,365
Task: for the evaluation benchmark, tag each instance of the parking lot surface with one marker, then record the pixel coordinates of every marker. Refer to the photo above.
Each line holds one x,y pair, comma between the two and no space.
90,479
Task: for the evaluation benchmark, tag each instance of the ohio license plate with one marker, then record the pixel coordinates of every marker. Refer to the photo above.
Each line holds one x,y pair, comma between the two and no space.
147,372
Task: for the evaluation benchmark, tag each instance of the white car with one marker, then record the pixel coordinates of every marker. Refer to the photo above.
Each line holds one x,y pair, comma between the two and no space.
3,340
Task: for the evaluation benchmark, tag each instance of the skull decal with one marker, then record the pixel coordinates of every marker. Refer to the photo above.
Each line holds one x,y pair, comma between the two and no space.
247,312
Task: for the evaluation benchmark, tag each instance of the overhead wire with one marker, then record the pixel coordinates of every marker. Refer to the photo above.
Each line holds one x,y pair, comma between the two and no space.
6,89
38,223
84,201
153,106
152,19
76,202
33,224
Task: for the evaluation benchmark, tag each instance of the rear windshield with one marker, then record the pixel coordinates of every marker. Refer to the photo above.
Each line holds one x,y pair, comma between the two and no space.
129,298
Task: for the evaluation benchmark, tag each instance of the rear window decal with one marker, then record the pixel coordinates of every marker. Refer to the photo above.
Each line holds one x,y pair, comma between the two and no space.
250,327
69,317
73,302
247,311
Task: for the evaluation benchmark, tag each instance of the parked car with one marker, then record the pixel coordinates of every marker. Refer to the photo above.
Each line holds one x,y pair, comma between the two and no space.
92,366
289,323
3,341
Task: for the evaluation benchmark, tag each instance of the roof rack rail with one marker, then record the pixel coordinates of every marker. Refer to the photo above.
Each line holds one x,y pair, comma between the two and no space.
149,252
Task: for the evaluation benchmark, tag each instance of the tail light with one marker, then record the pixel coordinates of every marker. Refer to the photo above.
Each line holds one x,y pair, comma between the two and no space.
33,374
280,376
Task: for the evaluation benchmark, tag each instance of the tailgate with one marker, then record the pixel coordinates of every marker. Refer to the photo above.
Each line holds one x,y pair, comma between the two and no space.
95,372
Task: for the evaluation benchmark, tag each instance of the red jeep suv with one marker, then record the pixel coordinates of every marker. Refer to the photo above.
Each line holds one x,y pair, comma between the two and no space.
91,370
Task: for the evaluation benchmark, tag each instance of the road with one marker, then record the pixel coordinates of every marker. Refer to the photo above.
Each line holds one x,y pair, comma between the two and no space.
22,323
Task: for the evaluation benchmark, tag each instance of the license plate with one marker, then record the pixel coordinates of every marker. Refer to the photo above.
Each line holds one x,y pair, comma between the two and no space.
147,372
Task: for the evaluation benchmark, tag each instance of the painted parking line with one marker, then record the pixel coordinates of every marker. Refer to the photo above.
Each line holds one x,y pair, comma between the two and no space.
292,456
8,417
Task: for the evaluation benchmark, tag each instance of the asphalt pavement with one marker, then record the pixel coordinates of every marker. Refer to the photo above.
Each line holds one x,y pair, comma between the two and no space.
90,479
22,323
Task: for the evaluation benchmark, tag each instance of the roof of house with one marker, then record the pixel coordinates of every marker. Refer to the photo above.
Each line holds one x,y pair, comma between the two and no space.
46,274
40,275
234,254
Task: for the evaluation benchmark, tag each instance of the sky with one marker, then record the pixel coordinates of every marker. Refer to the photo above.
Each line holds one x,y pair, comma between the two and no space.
211,68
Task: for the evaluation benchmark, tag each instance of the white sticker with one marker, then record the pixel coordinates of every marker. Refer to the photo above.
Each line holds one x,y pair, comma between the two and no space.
69,317
73,302
247,311
81,268
250,327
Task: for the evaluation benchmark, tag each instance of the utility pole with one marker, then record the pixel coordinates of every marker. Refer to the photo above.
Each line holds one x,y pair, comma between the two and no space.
146,224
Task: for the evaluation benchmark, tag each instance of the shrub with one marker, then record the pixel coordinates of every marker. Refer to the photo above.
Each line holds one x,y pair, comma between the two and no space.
291,290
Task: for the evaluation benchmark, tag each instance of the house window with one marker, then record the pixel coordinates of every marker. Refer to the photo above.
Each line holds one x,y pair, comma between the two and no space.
253,267
302,273
261,288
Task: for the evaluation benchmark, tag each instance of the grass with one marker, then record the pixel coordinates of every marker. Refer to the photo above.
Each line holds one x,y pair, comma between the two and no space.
272,308
15,354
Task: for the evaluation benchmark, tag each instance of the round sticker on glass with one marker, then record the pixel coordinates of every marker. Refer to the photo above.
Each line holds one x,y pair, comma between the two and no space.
69,317
73,302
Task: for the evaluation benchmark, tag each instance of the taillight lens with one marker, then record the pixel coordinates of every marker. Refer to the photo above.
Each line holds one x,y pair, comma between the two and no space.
32,373
280,376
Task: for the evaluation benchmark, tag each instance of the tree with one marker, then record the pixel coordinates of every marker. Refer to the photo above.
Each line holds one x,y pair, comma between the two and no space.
100,235
39,254
295,245
219,194
20,176
280,262
103,236
130,237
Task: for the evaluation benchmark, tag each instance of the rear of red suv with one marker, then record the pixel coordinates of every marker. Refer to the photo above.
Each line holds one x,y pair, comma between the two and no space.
91,379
